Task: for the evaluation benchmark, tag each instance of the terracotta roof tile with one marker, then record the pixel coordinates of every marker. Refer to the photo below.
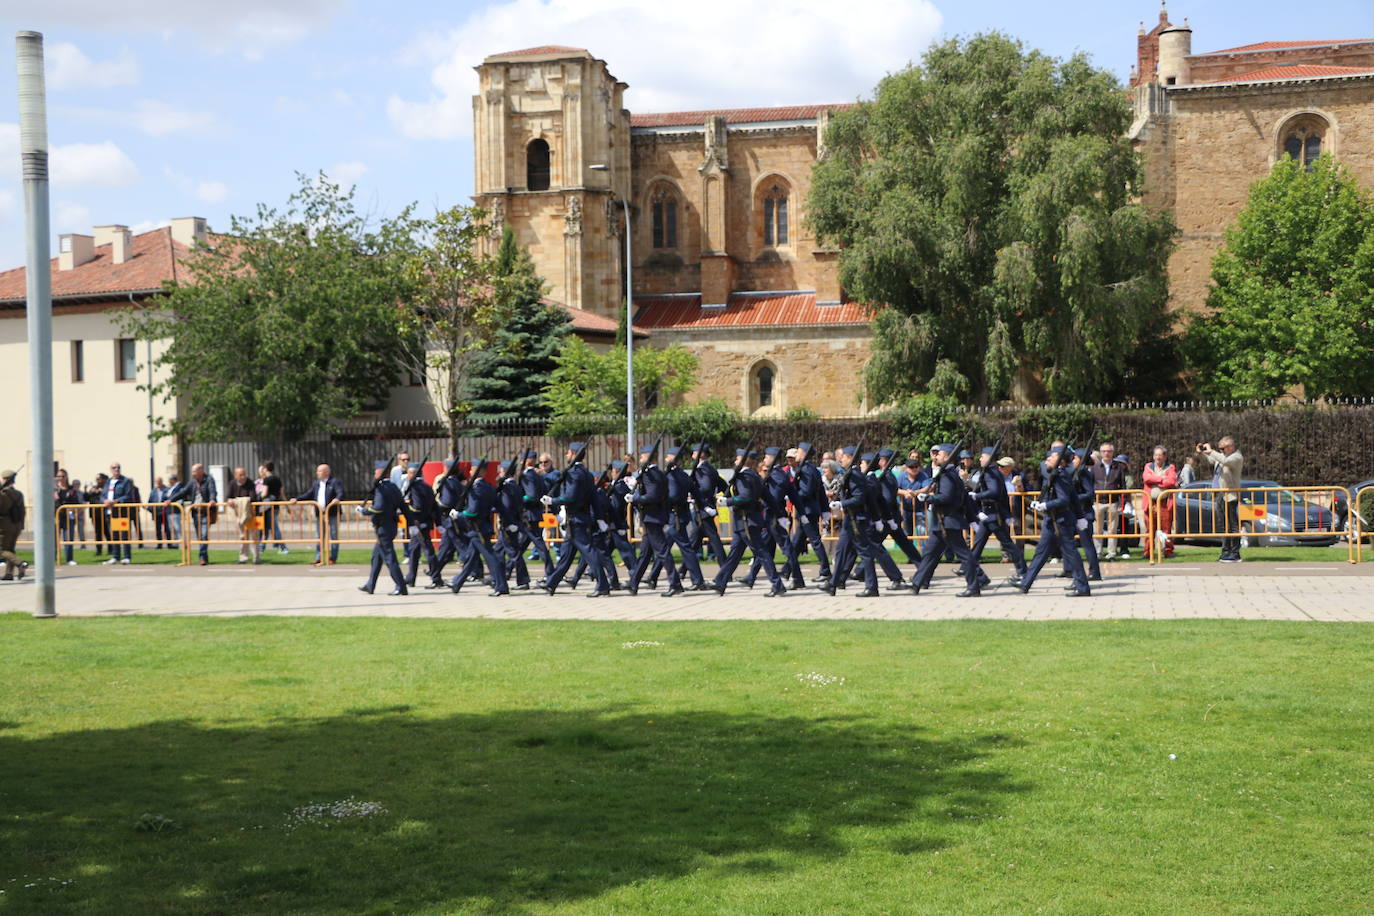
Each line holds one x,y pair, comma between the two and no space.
733,115
1283,45
1298,71
771,309
541,49
153,260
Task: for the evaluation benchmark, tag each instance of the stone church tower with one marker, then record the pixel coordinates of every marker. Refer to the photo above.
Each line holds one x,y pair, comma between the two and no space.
543,117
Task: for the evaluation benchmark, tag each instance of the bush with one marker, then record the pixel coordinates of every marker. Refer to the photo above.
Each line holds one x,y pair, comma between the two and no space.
579,426
925,419
711,421
801,414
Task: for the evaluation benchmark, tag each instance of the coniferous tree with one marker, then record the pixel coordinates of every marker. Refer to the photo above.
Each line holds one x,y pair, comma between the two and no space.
508,381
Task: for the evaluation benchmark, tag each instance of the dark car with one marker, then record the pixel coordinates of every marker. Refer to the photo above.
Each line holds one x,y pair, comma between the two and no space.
1272,515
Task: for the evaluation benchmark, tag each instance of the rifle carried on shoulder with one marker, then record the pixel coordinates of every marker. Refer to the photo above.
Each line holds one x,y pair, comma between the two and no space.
739,463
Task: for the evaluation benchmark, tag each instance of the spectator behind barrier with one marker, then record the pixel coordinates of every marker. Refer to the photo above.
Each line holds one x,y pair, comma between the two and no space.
1160,475
1227,464
1108,475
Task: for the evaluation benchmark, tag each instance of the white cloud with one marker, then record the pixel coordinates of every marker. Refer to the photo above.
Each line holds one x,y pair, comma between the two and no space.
246,25
158,119
70,217
346,173
94,165
66,67
211,192
797,52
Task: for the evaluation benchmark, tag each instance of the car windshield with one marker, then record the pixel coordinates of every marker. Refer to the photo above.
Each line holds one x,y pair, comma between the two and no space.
1272,494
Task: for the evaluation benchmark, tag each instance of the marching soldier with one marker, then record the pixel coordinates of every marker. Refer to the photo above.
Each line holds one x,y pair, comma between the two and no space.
810,502
474,525
1059,516
620,516
994,512
512,538
650,496
747,524
868,522
11,523
448,492
603,513
888,485
1086,491
708,485
855,544
534,485
947,497
382,510
681,497
778,491
419,497
575,498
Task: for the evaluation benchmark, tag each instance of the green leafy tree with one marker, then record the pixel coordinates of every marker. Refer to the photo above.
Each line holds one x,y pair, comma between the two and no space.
285,325
457,313
508,381
1293,300
589,383
986,199
711,420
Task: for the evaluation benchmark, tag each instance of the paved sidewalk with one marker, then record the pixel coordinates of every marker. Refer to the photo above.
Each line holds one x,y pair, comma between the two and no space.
1270,591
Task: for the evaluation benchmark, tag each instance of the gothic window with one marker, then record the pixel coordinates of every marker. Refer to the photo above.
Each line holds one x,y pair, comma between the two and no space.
761,391
765,377
663,212
537,166
1302,140
775,217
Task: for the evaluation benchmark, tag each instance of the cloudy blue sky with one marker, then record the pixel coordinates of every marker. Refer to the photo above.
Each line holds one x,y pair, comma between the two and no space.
163,108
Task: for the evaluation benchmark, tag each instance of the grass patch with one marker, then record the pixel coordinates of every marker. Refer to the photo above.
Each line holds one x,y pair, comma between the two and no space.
363,766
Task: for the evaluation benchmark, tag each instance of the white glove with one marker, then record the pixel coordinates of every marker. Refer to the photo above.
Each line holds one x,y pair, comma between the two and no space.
602,525
1082,524
983,516
1128,511
513,529
785,524
834,505
806,519
546,499
562,516
358,509
922,497
412,532
711,512
454,514
625,498
1037,505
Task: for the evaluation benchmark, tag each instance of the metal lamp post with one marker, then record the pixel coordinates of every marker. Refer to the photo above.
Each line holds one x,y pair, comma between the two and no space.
630,445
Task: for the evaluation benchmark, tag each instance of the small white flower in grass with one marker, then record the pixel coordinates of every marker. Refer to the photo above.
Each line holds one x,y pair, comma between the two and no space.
1173,756
816,679
640,644
327,813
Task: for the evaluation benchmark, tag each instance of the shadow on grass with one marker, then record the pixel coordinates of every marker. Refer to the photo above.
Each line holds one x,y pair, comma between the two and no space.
515,809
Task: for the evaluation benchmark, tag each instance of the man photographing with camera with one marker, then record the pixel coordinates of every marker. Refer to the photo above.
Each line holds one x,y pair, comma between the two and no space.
1226,461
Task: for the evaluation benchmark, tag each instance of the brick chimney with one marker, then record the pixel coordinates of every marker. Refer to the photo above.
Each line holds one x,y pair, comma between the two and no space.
189,230
119,240
74,250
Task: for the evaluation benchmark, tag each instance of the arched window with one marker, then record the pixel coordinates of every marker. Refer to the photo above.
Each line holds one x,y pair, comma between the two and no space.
663,214
775,225
1302,139
765,380
537,166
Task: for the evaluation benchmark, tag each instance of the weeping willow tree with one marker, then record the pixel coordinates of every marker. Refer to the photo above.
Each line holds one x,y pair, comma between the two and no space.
987,199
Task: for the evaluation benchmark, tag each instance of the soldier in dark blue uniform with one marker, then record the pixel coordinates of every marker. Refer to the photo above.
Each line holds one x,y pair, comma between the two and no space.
855,545
382,510
811,504
419,497
474,524
708,484
994,514
512,538
1083,526
650,496
448,493
575,498
604,514
535,486
620,516
747,524
681,499
1060,514
948,500
778,491
868,548
888,485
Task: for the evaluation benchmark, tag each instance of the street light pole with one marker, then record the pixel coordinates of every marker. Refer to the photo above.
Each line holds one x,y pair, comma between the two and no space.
629,321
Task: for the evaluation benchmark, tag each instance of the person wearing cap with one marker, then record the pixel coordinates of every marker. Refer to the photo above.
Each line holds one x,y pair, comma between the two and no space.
681,504
474,527
1082,464
419,497
533,484
747,522
889,485
512,538
574,496
994,512
11,523
604,535
810,503
448,493
618,518
855,545
381,511
778,491
1059,513
947,498
650,497
709,487
872,520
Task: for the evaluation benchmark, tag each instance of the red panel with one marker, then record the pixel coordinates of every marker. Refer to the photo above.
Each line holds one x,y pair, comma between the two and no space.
745,310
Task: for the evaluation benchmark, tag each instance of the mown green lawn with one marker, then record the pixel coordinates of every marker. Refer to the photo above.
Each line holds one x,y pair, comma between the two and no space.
786,767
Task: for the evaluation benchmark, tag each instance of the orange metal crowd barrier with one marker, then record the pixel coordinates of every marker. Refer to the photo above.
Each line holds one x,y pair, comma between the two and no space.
1263,515
94,526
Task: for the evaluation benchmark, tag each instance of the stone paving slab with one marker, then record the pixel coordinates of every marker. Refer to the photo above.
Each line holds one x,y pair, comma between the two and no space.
1136,593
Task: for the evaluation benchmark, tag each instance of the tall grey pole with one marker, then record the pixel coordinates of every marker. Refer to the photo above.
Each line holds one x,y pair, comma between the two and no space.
630,444
33,154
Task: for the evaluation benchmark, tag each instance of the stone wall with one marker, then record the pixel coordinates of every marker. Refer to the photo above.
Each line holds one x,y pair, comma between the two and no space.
815,366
